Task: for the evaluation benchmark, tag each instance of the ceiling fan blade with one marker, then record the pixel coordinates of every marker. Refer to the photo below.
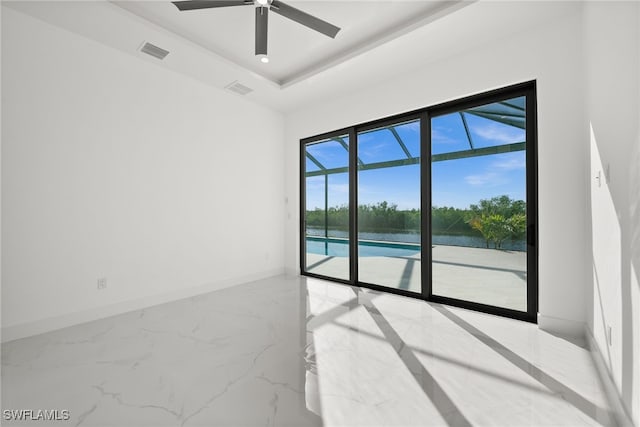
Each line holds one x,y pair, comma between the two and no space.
304,18
207,4
262,23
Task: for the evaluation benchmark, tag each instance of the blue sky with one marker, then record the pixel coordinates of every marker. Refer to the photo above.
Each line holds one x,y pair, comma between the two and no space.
456,183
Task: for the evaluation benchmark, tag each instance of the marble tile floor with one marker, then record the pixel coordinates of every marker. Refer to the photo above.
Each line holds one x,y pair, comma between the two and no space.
292,351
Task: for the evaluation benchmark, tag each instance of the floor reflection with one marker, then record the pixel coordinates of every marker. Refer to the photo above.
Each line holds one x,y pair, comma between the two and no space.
290,351
407,361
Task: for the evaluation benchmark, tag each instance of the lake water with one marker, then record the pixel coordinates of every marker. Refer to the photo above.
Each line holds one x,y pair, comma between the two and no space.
445,240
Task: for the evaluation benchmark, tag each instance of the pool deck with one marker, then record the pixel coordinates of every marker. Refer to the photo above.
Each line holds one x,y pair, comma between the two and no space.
487,276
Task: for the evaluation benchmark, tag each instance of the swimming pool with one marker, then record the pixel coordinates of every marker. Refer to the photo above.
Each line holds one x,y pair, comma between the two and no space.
340,248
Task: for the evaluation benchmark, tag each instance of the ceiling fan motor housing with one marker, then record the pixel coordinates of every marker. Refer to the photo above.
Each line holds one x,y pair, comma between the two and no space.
262,17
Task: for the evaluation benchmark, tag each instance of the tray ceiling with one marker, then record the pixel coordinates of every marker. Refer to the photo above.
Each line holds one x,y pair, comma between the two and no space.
295,52
379,42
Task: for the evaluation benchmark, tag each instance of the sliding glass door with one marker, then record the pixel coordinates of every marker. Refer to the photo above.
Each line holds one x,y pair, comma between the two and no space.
326,248
479,203
438,204
388,214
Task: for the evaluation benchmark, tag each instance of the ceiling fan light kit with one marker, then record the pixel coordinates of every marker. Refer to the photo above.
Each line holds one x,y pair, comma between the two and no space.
262,18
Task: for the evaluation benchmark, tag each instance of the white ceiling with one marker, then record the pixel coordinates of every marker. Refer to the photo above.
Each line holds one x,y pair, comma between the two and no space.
217,49
295,51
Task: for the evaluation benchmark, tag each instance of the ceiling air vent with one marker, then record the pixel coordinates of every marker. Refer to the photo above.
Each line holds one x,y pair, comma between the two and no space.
238,88
154,50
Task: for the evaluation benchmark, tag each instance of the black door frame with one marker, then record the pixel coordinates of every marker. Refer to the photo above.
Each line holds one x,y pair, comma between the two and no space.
425,115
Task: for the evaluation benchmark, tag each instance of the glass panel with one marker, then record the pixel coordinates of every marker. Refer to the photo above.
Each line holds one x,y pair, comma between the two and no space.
389,207
327,208
330,154
448,135
378,144
410,135
478,215
310,165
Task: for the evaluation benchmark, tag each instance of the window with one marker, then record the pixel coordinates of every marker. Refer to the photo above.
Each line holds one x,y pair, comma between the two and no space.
438,204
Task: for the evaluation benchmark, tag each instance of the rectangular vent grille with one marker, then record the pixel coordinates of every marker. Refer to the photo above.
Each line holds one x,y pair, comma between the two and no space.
154,51
238,88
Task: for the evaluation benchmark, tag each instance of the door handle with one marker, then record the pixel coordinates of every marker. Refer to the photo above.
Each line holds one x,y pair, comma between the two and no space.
531,235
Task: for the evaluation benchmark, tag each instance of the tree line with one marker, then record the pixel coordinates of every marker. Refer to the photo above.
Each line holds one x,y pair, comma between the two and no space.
496,220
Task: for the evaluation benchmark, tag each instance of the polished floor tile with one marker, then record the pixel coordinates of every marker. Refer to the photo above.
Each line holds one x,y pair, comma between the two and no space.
290,351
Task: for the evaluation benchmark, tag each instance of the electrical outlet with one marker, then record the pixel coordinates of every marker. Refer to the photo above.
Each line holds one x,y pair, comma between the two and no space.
102,283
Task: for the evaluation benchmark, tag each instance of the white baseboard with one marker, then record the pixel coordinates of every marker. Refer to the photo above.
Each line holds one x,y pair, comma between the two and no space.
619,411
23,330
565,327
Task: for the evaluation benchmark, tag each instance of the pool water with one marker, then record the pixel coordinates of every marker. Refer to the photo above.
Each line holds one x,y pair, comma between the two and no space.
436,239
340,248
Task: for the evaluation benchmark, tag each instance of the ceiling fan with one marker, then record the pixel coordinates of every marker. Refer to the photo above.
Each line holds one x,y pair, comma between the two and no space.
262,14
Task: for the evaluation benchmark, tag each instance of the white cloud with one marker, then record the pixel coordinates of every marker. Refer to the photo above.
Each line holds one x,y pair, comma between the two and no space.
498,172
338,188
440,137
366,137
412,126
499,133
370,151
510,163
329,151
487,179
480,179
315,183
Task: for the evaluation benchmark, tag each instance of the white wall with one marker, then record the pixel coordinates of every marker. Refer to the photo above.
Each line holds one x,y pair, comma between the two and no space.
1,97
612,64
550,54
115,167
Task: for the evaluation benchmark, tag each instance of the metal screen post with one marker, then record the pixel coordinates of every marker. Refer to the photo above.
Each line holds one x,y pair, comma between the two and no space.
326,213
